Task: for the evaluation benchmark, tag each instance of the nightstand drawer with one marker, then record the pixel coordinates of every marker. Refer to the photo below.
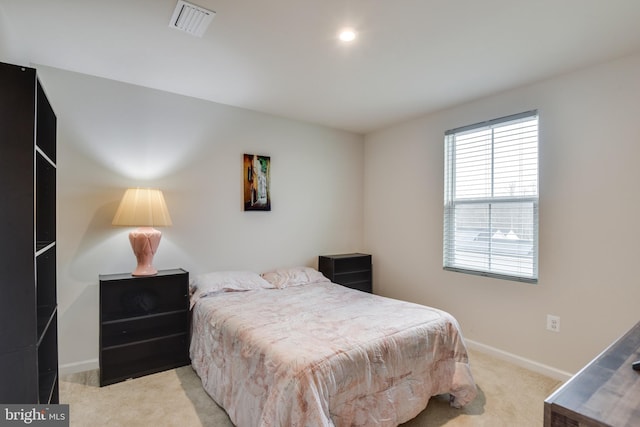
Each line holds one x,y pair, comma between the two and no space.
134,360
133,329
356,262
353,277
136,297
364,286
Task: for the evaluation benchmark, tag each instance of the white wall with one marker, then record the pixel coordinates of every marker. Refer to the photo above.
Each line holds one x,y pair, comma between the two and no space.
5,54
112,136
589,210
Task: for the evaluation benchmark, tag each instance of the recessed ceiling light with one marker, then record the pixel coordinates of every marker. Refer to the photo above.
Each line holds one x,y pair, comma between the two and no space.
347,35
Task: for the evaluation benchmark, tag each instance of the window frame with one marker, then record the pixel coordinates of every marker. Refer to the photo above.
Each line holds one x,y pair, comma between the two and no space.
450,202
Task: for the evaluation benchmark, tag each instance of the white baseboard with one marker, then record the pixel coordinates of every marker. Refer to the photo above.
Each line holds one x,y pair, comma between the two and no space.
519,361
72,368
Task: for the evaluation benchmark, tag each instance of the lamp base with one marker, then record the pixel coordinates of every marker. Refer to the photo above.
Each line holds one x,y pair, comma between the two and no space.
145,242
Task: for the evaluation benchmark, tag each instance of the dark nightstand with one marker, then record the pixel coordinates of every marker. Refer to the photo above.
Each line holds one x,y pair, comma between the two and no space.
350,270
144,324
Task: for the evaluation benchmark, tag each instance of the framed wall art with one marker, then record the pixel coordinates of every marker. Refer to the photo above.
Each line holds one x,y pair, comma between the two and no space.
257,185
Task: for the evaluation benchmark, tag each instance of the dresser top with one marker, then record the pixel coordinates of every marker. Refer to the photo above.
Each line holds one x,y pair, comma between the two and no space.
337,256
122,276
607,390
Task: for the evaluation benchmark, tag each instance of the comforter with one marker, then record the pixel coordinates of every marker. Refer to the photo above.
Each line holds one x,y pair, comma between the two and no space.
325,355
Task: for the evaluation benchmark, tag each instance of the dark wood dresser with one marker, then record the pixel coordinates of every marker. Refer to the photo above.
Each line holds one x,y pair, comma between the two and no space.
144,324
606,392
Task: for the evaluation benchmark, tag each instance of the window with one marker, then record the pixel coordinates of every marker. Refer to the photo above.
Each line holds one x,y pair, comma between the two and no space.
491,198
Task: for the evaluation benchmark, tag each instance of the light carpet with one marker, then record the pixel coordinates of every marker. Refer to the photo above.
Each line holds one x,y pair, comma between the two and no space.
508,396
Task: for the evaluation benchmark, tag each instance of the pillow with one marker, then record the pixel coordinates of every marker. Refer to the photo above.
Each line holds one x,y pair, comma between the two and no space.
294,276
225,281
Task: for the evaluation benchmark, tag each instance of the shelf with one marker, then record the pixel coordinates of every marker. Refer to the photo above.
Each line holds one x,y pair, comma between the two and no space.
46,294
42,246
47,386
45,315
46,126
44,155
48,362
45,199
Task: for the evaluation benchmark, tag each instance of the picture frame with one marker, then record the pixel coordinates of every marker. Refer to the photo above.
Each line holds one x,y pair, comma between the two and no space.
257,182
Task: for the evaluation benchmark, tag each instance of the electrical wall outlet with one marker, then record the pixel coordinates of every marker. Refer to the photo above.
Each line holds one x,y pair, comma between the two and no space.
553,323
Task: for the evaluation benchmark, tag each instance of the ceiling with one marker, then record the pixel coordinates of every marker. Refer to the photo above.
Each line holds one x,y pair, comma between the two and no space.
282,57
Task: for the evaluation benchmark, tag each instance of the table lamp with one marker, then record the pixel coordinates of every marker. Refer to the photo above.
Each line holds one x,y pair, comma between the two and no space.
144,208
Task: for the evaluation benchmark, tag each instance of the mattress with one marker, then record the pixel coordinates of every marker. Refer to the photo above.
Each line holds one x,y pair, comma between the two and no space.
326,355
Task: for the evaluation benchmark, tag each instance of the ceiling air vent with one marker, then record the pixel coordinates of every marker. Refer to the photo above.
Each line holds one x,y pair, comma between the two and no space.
191,19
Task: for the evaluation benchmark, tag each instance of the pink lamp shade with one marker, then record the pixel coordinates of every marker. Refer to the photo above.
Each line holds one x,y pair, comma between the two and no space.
144,208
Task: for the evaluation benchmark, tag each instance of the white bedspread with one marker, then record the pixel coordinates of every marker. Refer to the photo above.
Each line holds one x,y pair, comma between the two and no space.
324,355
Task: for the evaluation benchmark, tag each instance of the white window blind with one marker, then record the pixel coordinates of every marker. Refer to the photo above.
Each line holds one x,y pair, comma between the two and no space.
491,198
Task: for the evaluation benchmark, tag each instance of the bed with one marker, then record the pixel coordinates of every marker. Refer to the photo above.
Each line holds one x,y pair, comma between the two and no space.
290,348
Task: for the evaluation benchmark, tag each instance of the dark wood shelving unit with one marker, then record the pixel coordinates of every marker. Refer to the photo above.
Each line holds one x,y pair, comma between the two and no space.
28,303
351,270
144,324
